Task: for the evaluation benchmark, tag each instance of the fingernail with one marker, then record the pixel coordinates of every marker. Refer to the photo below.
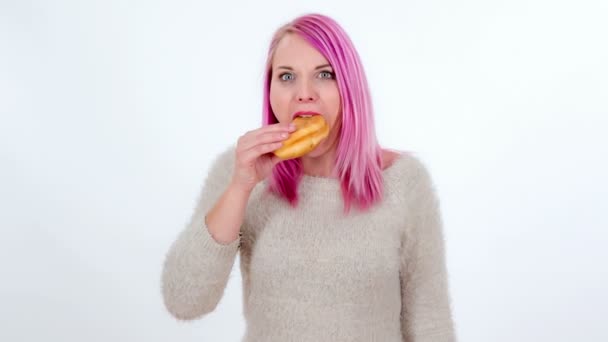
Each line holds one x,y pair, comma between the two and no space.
292,126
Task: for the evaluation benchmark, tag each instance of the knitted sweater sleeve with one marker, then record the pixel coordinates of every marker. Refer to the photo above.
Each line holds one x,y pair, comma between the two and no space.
426,308
197,267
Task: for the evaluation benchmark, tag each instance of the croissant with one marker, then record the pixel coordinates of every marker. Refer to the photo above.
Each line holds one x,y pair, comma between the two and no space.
309,133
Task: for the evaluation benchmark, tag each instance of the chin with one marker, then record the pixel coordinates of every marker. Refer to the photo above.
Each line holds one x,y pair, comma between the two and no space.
320,150
314,153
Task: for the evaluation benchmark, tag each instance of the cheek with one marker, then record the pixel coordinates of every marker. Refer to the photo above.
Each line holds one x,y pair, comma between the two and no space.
279,102
333,104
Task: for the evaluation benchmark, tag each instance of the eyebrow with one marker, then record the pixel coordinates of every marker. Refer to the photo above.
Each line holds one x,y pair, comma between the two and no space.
290,68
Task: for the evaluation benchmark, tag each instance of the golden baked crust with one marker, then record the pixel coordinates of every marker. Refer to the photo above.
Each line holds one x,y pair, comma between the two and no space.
308,134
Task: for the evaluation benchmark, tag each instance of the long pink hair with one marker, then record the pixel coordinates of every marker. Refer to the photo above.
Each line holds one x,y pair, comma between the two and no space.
358,163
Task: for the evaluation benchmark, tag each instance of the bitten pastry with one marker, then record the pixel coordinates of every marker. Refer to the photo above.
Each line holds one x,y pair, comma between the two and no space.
309,133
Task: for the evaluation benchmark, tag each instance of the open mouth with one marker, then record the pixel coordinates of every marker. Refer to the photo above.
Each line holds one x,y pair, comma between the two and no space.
305,114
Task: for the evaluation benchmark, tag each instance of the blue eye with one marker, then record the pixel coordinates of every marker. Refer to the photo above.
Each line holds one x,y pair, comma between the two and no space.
282,76
329,74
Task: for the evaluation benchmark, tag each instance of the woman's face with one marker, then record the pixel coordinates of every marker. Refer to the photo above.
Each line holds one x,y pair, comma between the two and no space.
303,80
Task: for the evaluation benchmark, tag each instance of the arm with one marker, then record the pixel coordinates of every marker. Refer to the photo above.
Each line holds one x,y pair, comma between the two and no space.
426,313
198,264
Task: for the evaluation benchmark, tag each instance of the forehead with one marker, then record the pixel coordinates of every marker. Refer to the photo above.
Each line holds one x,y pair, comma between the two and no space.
293,50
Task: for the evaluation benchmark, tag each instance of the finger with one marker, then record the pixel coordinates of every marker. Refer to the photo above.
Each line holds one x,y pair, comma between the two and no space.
276,127
255,152
263,138
248,140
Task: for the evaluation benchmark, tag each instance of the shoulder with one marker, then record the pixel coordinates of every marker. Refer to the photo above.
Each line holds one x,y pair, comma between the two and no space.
411,174
226,154
222,164
416,166
408,163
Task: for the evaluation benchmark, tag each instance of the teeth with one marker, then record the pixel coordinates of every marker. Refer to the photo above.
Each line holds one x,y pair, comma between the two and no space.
305,116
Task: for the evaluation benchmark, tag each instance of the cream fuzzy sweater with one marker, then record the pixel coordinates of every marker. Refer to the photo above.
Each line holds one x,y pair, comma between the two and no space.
312,274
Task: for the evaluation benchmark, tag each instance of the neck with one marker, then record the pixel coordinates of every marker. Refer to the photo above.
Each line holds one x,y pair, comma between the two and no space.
320,166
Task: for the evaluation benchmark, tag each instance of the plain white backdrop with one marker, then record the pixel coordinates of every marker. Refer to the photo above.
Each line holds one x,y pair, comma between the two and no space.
111,112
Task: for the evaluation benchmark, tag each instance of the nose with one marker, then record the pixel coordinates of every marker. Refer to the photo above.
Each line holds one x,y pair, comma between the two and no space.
304,99
306,94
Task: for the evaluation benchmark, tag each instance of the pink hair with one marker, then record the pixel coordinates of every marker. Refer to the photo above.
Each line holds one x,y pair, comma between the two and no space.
358,163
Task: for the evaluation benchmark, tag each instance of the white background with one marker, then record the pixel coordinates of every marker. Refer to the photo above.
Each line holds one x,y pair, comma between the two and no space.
111,112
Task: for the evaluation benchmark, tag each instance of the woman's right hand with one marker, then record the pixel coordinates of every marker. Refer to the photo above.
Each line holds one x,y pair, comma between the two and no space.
254,158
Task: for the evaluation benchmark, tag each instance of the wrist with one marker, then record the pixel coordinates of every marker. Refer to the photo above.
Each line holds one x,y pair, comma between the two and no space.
239,189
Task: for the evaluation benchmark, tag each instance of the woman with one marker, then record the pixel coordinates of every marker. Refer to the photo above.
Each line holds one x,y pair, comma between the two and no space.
315,268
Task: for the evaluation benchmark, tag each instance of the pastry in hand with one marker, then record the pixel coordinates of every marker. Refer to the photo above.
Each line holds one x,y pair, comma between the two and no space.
309,133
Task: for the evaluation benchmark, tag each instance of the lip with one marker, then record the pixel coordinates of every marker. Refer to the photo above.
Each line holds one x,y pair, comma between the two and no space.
296,114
